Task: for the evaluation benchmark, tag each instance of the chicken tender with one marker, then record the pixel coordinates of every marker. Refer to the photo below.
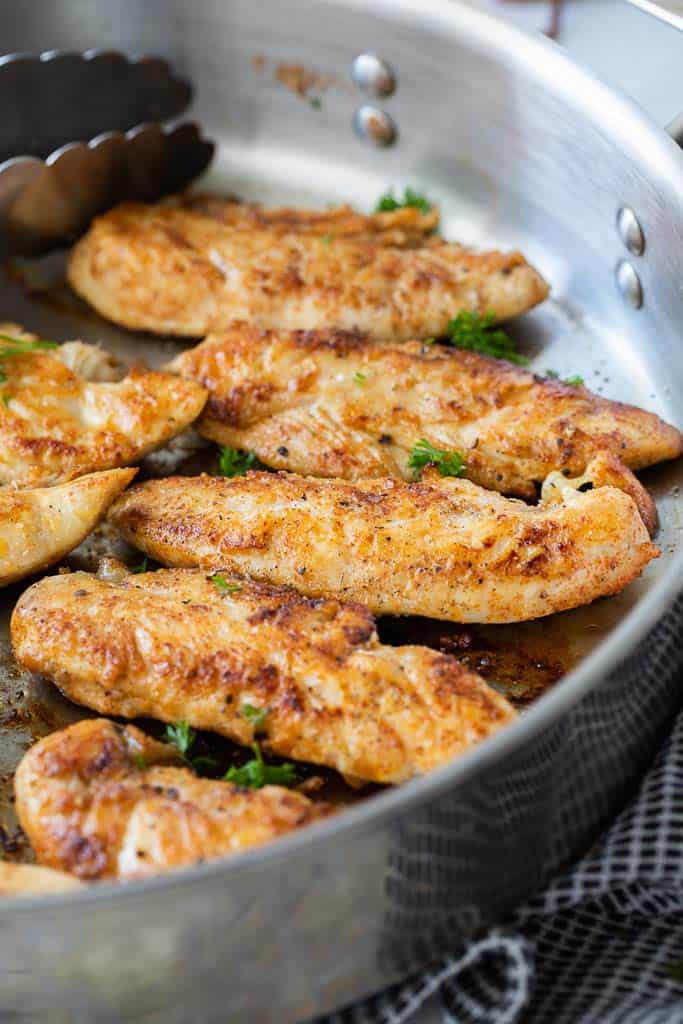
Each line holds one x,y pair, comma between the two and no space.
32,880
176,644
40,526
101,800
64,413
177,271
443,548
334,404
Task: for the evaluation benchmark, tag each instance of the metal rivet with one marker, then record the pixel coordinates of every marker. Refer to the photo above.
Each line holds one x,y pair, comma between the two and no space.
373,75
374,125
629,284
630,231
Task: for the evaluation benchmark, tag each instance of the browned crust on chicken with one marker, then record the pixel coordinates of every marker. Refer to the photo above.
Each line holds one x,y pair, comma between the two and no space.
101,800
445,548
174,271
56,423
294,398
405,228
40,526
32,880
173,646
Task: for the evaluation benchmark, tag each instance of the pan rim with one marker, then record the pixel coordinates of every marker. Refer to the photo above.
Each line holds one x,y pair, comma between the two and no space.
629,125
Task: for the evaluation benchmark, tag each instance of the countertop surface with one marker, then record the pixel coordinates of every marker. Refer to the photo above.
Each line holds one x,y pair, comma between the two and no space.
631,51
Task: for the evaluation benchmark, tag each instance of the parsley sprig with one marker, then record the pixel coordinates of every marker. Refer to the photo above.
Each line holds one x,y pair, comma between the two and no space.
255,773
140,567
478,333
224,586
183,737
255,716
425,454
574,382
235,462
389,202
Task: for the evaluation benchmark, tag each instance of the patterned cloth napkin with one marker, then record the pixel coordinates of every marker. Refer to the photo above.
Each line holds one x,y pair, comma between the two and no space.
602,944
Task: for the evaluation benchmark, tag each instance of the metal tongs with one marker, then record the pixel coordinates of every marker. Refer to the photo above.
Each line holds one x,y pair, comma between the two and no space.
80,132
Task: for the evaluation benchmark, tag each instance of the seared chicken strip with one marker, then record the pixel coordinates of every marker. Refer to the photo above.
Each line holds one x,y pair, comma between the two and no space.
102,800
39,526
330,403
32,880
406,227
442,548
175,644
64,413
177,271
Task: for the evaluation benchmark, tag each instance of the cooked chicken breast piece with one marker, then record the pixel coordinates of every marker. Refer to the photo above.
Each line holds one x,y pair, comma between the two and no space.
175,645
101,800
64,412
331,403
443,548
176,271
39,526
406,227
32,880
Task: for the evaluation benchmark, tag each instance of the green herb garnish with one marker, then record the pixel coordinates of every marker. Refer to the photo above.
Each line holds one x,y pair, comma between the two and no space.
675,971
140,567
255,716
220,583
478,333
360,378
316,102
182,736
447,463
140,761
327,239
20,346
256,773
235,462
389,202
574,382
6,399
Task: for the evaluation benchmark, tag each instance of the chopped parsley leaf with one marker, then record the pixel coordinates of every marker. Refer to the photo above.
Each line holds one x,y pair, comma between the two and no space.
235,462
182,736
10,346
389,202
478,333
429,341
255,716
256,773
360,378
140,761
140,567
6,398
574,382
220,583
675,971
327,239
447,463
316,102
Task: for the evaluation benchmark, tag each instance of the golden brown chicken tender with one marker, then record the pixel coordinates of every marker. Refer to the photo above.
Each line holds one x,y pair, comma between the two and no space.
330,403
63,412
102,800
176,644
442,548
177,271
39,526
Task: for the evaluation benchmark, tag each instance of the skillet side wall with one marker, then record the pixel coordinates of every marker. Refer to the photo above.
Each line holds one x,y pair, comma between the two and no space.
283,938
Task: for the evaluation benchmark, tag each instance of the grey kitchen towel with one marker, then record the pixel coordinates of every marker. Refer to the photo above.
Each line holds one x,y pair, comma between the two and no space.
603,944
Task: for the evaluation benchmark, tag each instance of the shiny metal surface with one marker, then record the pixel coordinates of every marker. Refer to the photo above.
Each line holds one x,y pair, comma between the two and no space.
373,75
629,284
670,11
523,149
630,231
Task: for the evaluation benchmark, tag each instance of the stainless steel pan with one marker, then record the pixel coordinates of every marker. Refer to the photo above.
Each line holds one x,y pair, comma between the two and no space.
522,148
